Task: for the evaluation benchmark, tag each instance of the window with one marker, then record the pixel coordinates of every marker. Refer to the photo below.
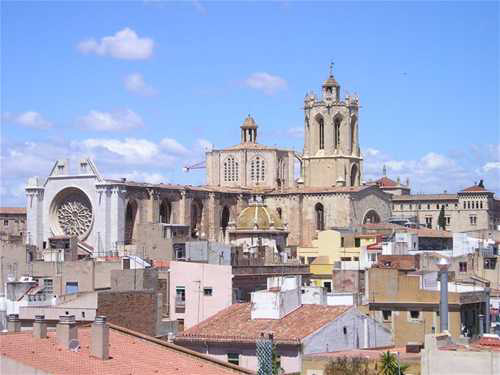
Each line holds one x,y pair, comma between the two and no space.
83,314
233,358
320,216
47,283
387,315
207,292
481,204
257,169
462,266
180,295
321,126
180,325
414,314
468,205
428,206
344,330
356,259
328,286
490,263
231,170
465,205
448,220
337,133
401,207
6,222
279,212
71,287
437,206
428,222
419,206
345,259
473,220
342,241
357,242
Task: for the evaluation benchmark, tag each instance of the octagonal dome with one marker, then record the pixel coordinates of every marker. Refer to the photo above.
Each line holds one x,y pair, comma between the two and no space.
258,217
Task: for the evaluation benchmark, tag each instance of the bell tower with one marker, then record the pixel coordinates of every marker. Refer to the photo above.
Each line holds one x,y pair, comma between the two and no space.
249,130
331,148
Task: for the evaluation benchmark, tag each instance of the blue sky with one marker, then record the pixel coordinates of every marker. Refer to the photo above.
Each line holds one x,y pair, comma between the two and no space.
145,87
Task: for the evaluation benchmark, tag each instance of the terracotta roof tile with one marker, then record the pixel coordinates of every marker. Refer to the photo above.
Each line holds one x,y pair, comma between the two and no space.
130,354
386,182
475,189
234,324
12,210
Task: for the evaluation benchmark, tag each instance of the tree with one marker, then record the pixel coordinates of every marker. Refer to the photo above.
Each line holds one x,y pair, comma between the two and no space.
348,366
389,364
442,218
276,361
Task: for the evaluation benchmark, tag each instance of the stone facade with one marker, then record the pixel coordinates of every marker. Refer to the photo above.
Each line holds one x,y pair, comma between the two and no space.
113,216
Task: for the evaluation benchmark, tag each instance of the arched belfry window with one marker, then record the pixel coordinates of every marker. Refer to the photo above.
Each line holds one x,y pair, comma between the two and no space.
354,175
231,170
336,130
321,127
353,133
320,216
257,169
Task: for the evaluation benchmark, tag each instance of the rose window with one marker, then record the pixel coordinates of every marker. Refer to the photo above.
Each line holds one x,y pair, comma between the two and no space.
74,218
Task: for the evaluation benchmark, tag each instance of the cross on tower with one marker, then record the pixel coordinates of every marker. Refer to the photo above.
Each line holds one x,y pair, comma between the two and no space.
331,68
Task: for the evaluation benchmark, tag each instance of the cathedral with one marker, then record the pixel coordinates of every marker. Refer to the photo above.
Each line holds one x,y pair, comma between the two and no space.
108,214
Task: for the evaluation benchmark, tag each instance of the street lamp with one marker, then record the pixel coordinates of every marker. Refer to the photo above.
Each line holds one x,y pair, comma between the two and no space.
443,302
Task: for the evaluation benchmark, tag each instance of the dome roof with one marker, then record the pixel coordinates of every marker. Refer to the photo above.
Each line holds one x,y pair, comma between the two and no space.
249,122
258,217
331,82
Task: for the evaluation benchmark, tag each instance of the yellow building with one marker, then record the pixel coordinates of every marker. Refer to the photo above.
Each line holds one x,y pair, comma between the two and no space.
332,246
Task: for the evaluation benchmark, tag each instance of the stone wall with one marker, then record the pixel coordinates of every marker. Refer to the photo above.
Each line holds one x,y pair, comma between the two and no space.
135,310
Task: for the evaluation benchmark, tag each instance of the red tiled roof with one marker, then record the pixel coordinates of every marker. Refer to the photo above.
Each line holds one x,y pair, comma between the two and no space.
130,352
12,210
367,353
475,189
234,324
161,263
386,182
492,343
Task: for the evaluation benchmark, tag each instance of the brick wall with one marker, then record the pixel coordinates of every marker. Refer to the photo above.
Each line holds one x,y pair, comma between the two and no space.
135,310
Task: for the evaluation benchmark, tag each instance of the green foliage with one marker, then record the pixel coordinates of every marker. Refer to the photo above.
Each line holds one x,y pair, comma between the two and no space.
276,362
348,366
389,365
442,219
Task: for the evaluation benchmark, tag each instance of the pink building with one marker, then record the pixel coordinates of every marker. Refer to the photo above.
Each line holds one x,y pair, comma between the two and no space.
198,291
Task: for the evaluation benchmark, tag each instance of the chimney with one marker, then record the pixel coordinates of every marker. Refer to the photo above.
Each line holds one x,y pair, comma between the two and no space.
66,330
443,301
40,327
170,337
99,346
13,323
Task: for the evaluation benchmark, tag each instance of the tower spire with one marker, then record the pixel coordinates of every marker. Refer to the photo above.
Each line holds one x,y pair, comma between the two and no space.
331,68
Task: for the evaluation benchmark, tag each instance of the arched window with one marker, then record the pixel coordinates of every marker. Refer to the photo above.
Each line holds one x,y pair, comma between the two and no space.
257,169
321,127
279,212
165,211
371,217
320,216
353,133
336,130
224,219
196,215
231,170
130,215
354,175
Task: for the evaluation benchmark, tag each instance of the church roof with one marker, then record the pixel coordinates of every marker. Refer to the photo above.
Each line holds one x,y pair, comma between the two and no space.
386,182
250,145
249,122
258,216
475,189
330,82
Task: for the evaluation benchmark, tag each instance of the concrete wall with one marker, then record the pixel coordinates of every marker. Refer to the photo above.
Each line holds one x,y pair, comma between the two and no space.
135,279
13,253
9,366
194,277
349,331
290,355
447,362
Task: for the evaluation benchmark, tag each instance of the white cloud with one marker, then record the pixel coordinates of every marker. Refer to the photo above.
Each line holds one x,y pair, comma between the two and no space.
130,150
266,83
29,119
135,83
173,147
491,166
125,44
435,161
205,145
111,121
151,178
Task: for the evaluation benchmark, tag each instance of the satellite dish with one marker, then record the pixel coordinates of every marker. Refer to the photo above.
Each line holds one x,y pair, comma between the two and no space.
74,345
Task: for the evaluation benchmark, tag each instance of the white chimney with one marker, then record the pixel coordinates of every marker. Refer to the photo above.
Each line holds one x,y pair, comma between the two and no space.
99,345
66,330
13,323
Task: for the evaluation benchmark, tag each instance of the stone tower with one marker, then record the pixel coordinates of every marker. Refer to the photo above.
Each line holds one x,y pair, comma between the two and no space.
331,148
